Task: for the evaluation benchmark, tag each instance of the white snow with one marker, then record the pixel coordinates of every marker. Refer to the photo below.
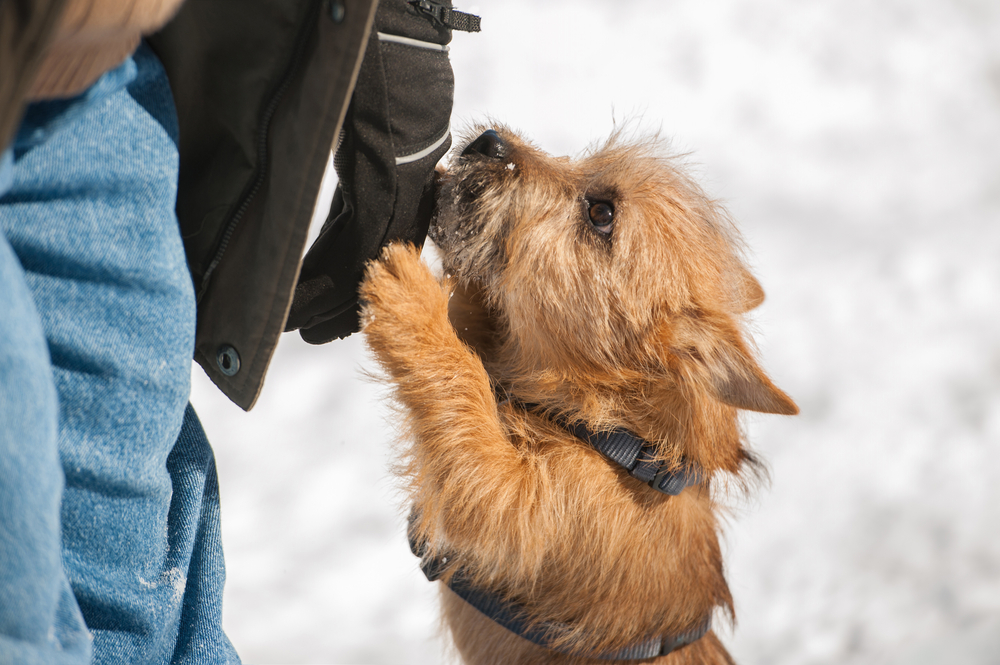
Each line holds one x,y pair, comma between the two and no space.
172,577
858,145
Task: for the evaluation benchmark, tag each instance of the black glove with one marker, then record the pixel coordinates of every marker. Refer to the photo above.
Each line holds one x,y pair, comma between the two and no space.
395,131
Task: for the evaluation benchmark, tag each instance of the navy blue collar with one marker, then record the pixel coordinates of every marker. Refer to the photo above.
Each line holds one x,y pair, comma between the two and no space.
635,455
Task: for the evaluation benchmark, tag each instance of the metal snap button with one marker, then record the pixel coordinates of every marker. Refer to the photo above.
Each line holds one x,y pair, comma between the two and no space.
337,11
228,360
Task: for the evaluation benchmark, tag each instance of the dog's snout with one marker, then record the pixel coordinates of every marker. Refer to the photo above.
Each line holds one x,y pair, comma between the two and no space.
489,144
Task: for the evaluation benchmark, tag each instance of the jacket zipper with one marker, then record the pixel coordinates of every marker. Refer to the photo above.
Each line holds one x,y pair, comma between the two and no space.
262,151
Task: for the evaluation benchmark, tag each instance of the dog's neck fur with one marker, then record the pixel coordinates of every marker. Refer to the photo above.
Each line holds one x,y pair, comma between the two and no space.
689,426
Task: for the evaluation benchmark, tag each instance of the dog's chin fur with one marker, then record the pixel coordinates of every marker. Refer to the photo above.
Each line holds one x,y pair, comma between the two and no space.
640,327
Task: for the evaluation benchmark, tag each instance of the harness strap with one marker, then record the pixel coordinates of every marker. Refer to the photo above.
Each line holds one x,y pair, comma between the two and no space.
513,616
638,457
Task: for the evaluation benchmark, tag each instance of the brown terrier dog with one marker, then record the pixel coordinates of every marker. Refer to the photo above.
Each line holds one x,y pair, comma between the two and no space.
582,361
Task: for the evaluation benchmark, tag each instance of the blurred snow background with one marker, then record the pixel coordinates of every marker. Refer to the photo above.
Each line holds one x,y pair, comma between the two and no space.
858,145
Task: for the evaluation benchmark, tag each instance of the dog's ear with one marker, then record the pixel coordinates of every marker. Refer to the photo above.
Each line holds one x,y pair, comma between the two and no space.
751,294
716,357
737,380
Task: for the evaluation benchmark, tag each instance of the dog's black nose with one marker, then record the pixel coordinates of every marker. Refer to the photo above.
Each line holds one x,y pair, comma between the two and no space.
489,144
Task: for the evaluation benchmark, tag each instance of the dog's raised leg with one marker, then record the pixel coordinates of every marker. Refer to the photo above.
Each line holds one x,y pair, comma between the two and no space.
467,467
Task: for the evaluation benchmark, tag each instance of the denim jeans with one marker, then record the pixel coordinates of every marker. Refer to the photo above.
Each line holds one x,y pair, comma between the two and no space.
109,510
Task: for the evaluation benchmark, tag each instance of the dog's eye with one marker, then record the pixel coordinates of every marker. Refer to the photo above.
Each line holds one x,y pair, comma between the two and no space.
602,216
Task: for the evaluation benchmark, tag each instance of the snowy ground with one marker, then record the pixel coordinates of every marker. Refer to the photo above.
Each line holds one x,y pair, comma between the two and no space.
858,145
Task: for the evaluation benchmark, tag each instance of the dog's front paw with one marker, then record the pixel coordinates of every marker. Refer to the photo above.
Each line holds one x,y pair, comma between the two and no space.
404,304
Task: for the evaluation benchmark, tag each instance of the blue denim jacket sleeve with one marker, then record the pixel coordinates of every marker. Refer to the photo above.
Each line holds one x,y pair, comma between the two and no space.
109,536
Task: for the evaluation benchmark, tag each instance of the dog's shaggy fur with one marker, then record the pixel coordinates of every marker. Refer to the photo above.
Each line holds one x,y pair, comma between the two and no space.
635,324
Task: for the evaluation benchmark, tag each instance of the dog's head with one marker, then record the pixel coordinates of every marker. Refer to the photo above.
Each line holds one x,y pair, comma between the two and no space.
613,263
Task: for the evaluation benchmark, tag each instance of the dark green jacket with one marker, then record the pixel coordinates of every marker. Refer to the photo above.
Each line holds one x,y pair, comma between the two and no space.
261,89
